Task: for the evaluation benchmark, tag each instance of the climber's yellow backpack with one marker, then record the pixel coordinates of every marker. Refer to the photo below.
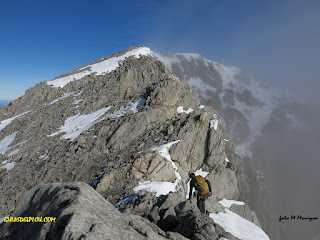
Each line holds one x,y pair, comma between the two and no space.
201,185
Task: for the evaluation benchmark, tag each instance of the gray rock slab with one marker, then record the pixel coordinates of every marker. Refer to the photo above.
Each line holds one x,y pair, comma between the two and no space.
81,213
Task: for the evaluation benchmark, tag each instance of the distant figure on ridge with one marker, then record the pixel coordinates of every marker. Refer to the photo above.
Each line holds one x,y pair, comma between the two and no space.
203,188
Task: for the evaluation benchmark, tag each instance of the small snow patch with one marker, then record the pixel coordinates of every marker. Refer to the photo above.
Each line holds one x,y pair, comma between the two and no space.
20,144
77,124
44,157
65,95
6,122
140,103
228,203
181,110
201,106
131,106
238,226
164,149
5,143
214,124
201,172
9,166
13,152
76,102
160,188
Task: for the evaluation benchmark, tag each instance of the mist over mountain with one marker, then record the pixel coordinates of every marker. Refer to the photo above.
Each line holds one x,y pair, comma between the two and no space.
274,132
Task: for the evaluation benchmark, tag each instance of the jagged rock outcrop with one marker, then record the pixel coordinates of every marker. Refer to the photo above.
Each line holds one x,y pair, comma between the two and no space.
81,213
123,124
170,214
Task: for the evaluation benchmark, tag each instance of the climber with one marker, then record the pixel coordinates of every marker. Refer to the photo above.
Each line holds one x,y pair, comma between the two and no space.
203,188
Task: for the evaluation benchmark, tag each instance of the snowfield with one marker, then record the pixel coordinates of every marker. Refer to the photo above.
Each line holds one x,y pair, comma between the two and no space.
77,124
100,68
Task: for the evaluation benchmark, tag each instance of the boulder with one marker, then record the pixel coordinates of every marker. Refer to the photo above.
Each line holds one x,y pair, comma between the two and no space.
80,212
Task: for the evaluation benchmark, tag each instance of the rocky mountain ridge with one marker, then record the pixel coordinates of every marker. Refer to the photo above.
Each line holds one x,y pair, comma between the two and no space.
127,126
259,120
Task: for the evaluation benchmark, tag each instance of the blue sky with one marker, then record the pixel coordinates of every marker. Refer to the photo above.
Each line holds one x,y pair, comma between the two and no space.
274,41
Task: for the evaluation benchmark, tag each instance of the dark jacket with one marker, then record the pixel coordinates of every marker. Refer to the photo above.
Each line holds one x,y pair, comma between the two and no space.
192,186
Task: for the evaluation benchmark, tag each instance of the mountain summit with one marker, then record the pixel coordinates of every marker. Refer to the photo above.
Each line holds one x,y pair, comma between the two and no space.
131,129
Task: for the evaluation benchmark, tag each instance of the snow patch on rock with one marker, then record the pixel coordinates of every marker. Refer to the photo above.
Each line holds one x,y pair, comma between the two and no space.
99,68
6,122
9,166
77,124
181,110
65,95
6,142
238,226
162,188
214,124
228,203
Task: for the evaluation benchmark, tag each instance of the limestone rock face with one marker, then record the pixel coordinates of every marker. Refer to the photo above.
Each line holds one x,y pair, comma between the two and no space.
126,131
81,213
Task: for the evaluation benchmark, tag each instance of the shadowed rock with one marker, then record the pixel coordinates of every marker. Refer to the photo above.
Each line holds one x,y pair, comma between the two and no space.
81,213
